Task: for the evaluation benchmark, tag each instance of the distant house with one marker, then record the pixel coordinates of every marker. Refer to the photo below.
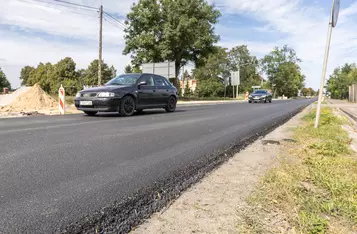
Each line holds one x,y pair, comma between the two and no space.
192,84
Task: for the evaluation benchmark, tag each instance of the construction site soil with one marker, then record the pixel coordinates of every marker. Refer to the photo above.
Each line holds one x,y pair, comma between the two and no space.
33,100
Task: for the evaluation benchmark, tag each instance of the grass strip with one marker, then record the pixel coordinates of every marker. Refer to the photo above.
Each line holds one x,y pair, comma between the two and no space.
314,187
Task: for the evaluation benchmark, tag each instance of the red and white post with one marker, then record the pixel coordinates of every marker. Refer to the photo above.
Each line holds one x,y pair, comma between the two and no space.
246,96
61,100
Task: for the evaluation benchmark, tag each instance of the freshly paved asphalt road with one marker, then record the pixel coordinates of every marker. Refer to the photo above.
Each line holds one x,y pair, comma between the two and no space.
54,170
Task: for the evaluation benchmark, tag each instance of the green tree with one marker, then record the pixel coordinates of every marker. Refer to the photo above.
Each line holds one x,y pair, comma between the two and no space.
25,74
307,91
64,73
42,75
91,73
249,75
282,69
211,77
341,79
136,69
179,31
128,69
4,83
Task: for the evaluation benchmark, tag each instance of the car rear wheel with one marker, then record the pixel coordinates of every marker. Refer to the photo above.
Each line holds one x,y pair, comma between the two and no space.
127,106
270,101
91,113
171,104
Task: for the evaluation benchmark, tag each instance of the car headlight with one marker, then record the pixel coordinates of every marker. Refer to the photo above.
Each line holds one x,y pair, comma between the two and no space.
105,94
263,96
250,95
78,94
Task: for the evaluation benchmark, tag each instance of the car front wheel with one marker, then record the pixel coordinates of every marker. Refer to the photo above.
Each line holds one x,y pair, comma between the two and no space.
127,106
171,104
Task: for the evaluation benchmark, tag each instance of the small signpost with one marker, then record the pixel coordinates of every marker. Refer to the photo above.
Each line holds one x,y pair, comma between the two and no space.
235,79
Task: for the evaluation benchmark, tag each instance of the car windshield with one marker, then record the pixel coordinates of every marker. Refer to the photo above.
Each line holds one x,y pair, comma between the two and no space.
126,79
260,92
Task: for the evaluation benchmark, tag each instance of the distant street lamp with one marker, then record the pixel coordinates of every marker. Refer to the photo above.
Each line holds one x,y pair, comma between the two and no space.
332,23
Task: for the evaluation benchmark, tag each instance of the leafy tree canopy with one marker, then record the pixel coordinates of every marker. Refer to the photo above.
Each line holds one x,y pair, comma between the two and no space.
211,76
25,74
341,79
51,76
283,71
180,31
4,83
239,56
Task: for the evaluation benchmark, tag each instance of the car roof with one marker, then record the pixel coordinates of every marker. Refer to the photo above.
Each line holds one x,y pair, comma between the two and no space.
145,74
141,74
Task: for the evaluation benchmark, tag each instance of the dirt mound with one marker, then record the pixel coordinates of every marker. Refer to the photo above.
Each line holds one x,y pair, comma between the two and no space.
35,99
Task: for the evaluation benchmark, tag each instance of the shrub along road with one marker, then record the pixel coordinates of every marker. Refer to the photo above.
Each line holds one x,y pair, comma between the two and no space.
58,171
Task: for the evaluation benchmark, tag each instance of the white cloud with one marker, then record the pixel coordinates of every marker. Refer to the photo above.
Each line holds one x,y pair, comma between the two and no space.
304,27
47,33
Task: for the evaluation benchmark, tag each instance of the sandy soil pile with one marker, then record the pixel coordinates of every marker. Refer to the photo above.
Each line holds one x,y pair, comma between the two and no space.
35,99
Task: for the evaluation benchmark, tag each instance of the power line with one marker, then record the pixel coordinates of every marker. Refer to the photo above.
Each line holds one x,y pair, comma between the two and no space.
114,24
76,4
62,4
60,9
115,19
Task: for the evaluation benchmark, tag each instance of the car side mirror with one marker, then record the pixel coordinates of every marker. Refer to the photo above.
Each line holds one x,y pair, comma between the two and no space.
142,83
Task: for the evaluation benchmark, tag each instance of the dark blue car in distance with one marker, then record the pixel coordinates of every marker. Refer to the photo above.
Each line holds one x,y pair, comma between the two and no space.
128,93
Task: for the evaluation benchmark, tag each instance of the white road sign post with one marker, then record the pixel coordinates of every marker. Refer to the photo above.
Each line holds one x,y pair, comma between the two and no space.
165,69
235,79
332,23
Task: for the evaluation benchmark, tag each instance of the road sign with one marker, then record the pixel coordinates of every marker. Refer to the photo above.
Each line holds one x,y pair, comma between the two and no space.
166,69
235,79
226,81
335,11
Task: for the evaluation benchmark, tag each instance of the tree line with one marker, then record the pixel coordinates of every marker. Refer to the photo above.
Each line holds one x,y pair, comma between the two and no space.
180,31
183,31
341,78
51,76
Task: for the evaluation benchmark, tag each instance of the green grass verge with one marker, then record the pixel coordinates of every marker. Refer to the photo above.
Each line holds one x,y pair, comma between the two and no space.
315,185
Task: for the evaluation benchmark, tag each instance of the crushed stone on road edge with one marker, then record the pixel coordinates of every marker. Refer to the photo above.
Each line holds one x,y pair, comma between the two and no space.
121,217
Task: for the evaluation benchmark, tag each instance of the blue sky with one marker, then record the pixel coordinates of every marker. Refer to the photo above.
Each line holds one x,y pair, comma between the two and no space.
32,32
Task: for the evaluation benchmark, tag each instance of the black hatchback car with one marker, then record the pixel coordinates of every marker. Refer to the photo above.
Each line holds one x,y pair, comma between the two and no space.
260,95
128,93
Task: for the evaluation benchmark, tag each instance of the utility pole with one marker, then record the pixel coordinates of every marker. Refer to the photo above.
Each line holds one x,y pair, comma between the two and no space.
100,45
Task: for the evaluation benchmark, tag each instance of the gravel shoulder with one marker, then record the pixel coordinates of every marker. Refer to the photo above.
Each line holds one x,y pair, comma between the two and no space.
211,206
